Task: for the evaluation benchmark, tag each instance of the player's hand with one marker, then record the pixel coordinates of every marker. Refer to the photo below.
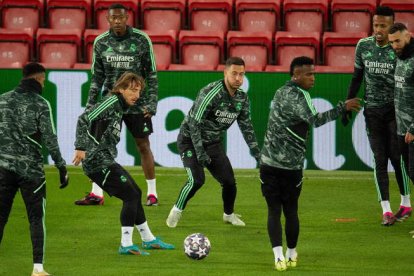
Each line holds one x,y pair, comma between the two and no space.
346,117
204,160
79,156
63,177
353,104
409,138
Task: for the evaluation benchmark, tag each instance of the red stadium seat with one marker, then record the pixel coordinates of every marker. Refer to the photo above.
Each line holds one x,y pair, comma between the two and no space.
404,11
201,48
254,48
333,69
20,14
305,15
352,15
69,14
186,67
82,66
339,48
15,47
277,68
210,15
101,7
162,15
258,15
164,45
58,46
57,65
290,45
88,39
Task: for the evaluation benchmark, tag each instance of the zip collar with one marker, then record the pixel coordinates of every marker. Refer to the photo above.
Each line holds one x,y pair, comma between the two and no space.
29,85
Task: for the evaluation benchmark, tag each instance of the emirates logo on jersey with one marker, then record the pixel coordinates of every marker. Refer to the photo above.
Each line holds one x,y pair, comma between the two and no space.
120,61
225,117
376,67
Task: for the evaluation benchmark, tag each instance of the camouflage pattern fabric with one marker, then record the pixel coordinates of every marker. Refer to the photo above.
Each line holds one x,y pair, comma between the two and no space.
291,115
378,64
26,122
404,94
98,132
213,112
112,56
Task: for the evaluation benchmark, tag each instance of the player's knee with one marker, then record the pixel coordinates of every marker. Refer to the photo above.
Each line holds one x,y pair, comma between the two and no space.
231,183
131,195
381,163
197,183
143,145
132,200
395,161
291,215
36,213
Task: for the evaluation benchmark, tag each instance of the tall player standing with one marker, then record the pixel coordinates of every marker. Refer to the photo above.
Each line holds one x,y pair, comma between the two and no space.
375,62
116,51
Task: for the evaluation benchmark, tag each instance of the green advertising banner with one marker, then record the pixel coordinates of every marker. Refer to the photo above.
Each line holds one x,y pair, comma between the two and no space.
330,147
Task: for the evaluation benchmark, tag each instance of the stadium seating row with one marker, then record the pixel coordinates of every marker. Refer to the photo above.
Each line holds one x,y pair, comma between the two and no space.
206,15
203,50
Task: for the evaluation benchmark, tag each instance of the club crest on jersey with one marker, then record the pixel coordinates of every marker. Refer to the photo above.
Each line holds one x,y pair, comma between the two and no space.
123,178
133,48
189,153
238,106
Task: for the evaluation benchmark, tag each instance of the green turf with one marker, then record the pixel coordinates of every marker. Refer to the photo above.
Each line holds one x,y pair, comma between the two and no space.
83,240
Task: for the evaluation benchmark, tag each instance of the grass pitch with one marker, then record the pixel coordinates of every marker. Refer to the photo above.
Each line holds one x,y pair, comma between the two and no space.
340,230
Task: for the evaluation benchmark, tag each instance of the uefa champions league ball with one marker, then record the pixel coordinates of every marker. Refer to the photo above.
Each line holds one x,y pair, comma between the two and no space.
197,246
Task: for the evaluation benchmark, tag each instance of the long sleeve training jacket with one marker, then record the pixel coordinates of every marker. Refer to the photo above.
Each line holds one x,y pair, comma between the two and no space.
98,132
404,90
213,112
114,55
291,115
26,123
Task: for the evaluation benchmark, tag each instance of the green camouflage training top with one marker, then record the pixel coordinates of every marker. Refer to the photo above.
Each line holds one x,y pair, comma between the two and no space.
213,112
404,91
25,122
290,117
113,55
98,132
378,64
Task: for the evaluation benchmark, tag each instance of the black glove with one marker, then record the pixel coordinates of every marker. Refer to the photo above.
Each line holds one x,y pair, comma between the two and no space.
63,177
204,160
346,117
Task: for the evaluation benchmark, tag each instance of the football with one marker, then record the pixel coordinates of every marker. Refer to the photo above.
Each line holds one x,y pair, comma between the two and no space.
197,246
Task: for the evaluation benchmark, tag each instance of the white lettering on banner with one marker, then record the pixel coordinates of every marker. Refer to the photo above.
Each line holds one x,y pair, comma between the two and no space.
124,157
68,109
360,140
245,86
237,149
324,141
162,137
